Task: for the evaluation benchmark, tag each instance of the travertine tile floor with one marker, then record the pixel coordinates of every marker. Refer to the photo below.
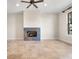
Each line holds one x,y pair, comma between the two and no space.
38,50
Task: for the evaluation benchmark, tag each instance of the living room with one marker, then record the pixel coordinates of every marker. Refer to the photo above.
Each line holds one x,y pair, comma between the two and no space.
50,23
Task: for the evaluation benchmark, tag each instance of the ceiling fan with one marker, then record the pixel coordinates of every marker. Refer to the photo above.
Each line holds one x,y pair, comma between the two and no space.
32,2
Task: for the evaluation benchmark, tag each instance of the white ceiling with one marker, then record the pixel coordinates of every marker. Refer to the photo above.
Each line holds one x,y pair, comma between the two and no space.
53,6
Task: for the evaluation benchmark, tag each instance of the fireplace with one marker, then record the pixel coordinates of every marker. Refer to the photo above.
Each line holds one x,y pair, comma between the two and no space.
32,34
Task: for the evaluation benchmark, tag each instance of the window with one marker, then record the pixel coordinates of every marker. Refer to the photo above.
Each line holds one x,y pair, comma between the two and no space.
70,23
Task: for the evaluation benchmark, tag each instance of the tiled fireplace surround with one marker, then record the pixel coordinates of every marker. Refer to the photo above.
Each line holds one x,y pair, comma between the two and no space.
32,34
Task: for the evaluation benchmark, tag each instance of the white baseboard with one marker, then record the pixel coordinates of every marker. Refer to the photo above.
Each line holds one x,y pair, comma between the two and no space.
64,41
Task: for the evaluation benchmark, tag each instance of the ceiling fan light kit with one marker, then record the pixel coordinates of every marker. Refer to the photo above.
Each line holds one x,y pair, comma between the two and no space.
32,2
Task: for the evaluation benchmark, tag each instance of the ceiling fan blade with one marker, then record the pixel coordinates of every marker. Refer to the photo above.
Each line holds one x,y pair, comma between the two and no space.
28,6
38,1
25,1
35,5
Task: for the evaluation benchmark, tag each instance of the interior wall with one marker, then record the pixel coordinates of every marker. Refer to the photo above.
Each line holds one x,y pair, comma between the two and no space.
63,29
52,26
15,26
47,22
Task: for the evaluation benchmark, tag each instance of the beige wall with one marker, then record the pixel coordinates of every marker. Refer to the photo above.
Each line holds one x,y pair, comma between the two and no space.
48,23
63,34
52,26
15,26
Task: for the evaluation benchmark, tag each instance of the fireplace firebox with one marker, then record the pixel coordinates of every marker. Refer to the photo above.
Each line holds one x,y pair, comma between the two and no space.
32,33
